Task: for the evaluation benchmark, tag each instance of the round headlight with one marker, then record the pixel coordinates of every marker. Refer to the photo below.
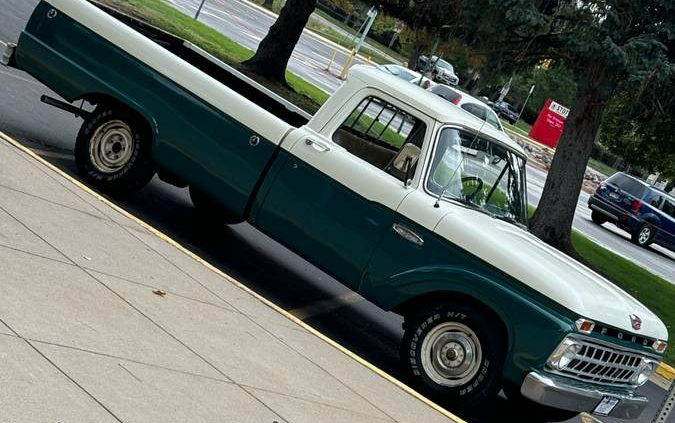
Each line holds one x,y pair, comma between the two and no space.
642,374
567,356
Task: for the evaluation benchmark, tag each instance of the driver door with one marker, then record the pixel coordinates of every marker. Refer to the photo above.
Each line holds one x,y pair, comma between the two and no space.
333,200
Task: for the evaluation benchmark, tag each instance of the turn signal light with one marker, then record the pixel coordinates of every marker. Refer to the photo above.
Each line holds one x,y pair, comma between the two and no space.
659,346
585,326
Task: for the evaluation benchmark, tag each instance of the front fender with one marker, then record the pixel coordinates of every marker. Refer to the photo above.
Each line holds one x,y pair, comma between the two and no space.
534,324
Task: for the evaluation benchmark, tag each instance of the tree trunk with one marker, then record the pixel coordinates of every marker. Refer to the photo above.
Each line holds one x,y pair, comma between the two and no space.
552,222
415,53
268,4
274,51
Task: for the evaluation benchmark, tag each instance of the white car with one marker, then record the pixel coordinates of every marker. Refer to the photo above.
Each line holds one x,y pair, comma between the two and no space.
469,103
400,72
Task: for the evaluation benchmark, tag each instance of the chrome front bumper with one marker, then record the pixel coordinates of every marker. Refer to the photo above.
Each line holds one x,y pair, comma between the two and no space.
7,53
567,394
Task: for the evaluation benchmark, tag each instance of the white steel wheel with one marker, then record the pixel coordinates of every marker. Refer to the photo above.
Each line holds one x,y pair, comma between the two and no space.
451,354
113,150
454,353
111,147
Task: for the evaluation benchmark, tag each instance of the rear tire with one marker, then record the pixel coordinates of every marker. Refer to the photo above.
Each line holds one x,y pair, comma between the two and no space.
598,218
454,353
643,236
113,151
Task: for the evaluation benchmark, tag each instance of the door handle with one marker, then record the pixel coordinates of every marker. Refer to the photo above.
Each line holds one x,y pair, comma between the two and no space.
317,145
408,234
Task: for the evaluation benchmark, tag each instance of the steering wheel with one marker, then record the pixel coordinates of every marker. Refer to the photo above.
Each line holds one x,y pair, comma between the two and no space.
476,180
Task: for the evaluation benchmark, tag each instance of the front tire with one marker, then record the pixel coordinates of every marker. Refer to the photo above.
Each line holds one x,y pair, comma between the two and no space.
454,353
113,149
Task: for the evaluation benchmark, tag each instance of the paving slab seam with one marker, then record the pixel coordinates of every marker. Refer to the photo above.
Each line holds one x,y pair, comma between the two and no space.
145,285
18,250
64,373
235,282
34,233
37,197
128,360
248,387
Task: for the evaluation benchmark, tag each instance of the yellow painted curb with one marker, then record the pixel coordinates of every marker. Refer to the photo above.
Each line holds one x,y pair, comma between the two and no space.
665,371
270,304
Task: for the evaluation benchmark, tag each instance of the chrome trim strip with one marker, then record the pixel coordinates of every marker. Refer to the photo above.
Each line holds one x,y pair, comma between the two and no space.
557,392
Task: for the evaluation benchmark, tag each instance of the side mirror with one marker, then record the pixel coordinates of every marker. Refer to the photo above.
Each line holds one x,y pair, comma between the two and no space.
404,163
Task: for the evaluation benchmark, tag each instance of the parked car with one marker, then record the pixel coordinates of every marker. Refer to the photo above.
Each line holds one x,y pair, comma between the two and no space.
400,72
415,205
644,211
471,104
441,70
506,111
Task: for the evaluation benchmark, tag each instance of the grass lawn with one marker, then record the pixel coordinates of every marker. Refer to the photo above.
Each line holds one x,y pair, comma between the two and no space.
164,16
655,292
601,167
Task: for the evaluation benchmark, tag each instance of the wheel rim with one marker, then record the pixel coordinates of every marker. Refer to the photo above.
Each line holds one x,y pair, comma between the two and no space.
645,234
451,354
111,146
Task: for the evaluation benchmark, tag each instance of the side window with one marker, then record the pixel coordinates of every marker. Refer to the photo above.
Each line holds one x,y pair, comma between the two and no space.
384,136
655,199
669,208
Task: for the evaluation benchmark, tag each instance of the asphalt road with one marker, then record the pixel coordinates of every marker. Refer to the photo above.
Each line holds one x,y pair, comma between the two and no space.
240,250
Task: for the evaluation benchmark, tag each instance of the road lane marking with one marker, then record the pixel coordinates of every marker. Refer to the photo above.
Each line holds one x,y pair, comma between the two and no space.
238,284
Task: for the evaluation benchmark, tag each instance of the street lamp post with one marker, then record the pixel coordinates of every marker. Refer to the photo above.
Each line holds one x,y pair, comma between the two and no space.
199,10
524,104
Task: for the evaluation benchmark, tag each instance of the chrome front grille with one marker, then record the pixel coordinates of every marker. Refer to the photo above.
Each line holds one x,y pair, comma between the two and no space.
603,364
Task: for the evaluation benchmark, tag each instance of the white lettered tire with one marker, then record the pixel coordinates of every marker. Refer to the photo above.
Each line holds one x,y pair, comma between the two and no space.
113,150
454,353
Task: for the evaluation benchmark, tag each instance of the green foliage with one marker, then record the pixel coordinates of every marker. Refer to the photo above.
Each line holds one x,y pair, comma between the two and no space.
640,127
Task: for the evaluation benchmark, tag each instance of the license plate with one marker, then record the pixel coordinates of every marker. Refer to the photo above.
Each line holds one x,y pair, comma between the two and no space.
614,195
606,406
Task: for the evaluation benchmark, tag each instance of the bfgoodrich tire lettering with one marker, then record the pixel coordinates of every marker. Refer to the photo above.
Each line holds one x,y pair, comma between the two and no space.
464,360
113,151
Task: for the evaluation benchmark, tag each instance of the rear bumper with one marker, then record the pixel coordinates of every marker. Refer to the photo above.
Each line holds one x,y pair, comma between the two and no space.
617,216
7,54
567,394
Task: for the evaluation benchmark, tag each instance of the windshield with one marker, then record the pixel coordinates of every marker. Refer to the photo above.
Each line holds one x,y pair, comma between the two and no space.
443,64
480,173
401,72
483,113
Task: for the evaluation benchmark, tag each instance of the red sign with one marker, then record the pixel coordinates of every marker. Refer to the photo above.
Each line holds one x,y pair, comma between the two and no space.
550,124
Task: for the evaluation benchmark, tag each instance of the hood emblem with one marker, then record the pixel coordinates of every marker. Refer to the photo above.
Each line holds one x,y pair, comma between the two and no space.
635,321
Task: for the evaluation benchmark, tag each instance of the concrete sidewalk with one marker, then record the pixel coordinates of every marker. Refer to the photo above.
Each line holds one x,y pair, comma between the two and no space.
102,320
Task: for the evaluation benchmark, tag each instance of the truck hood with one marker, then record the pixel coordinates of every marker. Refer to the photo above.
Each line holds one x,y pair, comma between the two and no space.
548,271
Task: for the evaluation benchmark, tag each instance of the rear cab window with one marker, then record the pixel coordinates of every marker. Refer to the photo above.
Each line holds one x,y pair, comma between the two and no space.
383,135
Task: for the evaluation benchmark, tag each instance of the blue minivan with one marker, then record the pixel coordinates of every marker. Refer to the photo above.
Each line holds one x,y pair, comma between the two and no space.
645,212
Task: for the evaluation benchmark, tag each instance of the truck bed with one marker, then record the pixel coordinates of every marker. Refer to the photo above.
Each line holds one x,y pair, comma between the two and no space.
215,68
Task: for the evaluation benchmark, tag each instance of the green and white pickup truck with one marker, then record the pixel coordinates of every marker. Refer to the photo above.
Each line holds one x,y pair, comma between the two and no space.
412,202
